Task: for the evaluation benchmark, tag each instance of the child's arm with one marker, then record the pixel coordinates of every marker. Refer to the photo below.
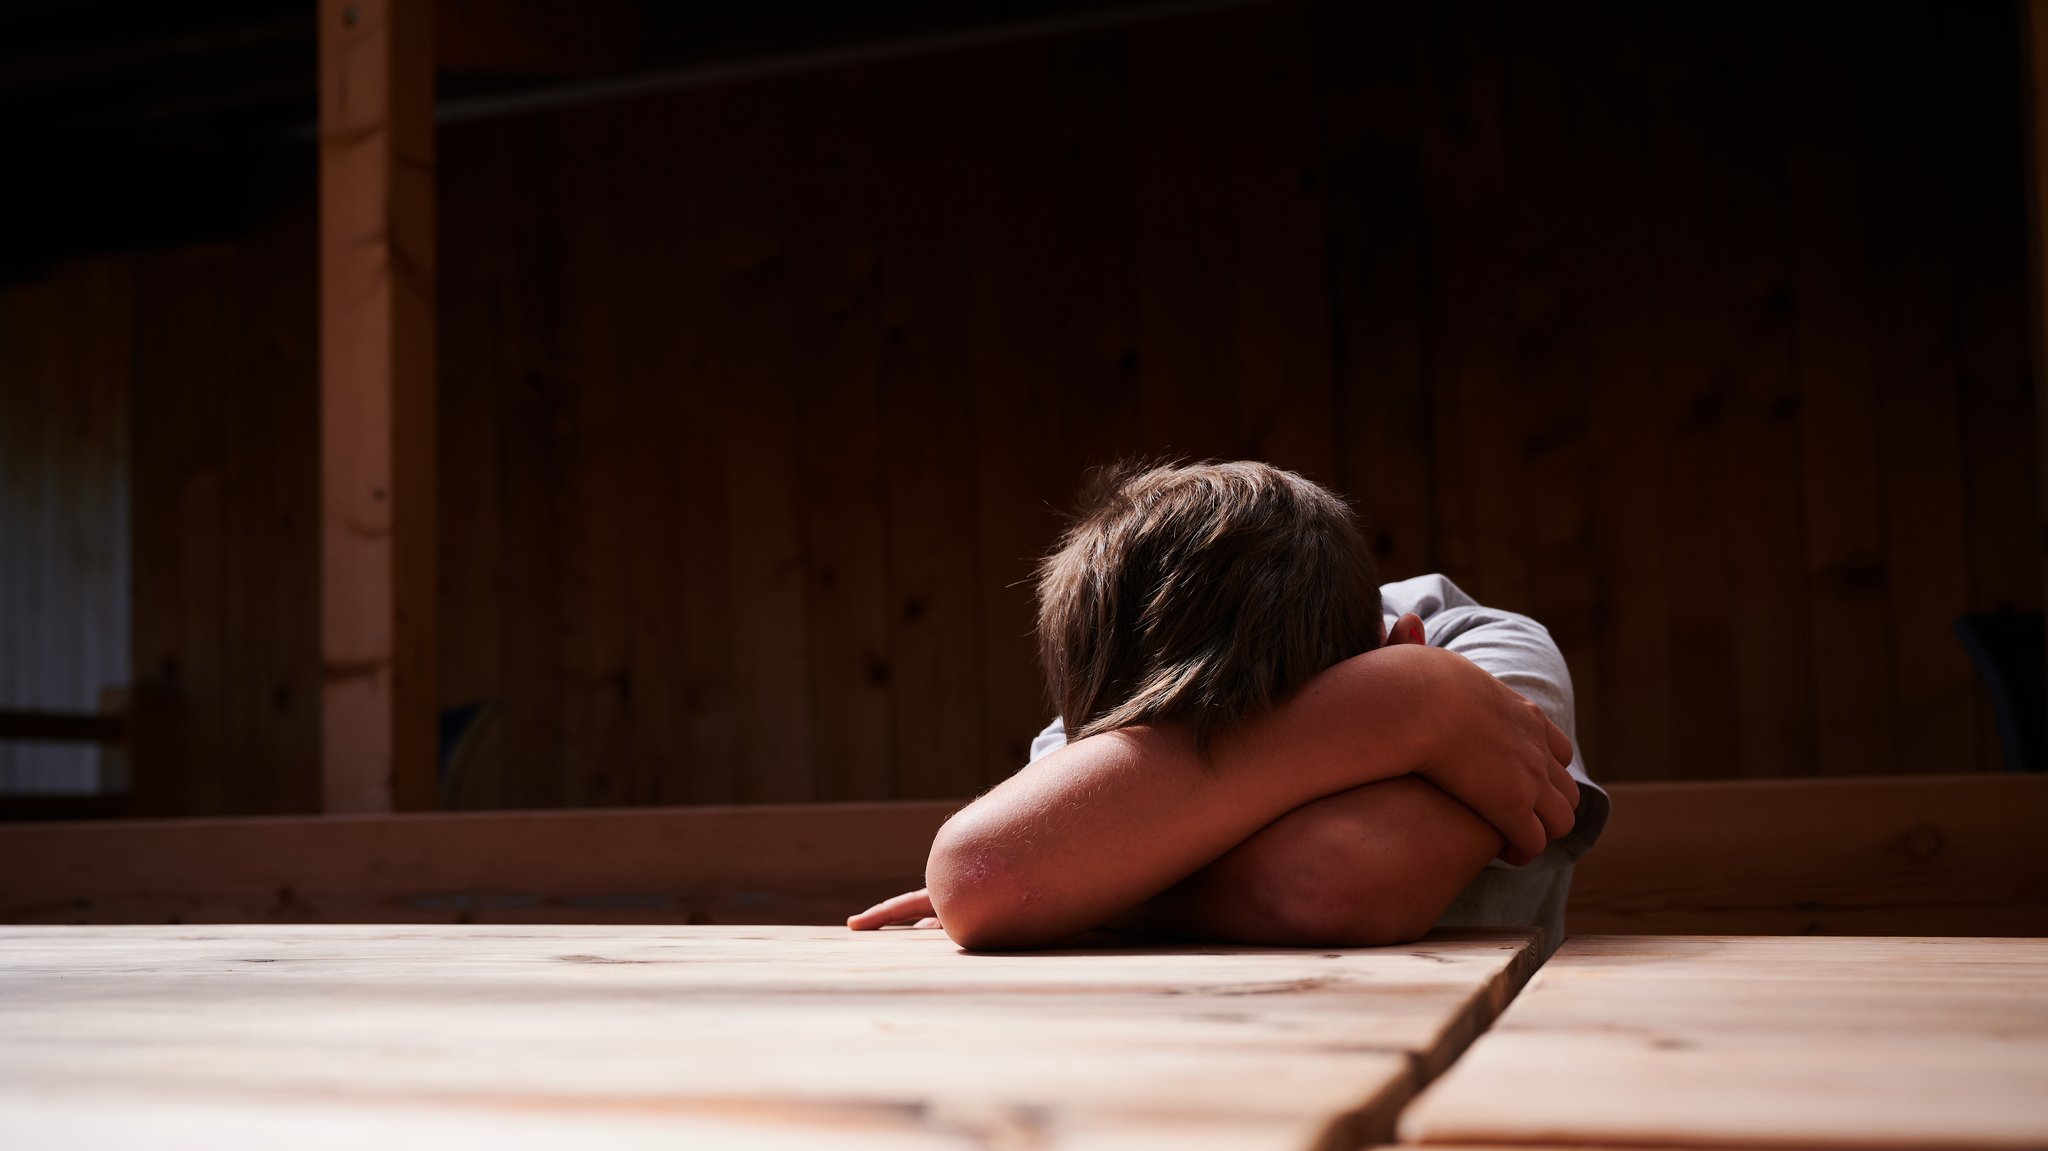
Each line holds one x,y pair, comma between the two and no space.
1380,863
1372,866
1093,830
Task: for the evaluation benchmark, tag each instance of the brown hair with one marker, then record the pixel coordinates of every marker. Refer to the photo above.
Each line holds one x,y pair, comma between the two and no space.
1202,594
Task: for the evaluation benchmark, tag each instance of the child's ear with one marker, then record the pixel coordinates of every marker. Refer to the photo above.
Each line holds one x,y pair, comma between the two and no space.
1407,629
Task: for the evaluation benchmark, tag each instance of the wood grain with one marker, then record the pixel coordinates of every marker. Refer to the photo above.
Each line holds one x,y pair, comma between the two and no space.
2034,30
65,419
1658,388
1743,1042
1927,856
377,388
748,1036
815,864
1957,856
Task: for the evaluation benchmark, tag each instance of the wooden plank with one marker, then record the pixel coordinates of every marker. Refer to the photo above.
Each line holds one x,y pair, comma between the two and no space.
1042,403
16,445
1086,108
1840,451
1898,856
773,754
1481,492
797,864
1881,855
2035,30
163,407
64,421
475,238
95,384
199,371
1746,690
377,405
603,762
64,727
1368,61
1553,394
837,351
1989,224
705,632
500,38
1690,396
1627,734
928,431
1182,79
1907,273
760,1036
533,407
1727,1041
274,553
668,415
1278,229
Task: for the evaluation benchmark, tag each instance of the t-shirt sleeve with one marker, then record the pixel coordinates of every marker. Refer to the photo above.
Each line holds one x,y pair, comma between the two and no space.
1053,738
1519,652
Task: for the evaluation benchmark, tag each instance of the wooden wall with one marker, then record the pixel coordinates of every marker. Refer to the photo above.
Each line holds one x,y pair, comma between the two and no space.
159,435
227,521
64,609
1696,331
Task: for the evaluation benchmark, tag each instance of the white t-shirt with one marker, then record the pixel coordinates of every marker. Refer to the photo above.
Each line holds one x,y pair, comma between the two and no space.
1517,651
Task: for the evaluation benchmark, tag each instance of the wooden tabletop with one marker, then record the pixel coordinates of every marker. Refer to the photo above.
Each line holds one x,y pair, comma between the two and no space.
744,1037
1794,1042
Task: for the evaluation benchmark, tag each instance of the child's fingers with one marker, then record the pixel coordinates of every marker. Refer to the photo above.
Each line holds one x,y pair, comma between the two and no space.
1560,743
1526,840
1565,784
1552,809
903,908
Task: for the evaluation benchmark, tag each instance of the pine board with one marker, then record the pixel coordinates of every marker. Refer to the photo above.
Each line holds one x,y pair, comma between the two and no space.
732,1036
1704,1041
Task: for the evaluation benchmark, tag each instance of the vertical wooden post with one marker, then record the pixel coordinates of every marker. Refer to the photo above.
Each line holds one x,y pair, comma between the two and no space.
377,381
2034,46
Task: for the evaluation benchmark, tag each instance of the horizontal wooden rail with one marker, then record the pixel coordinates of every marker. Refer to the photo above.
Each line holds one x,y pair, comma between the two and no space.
63,726
1956,855
797,864
1916,855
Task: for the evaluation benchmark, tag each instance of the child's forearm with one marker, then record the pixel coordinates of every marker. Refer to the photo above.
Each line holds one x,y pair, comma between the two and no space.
1106,823
1097,828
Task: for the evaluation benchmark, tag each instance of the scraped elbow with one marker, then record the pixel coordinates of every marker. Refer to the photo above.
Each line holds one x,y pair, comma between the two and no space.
977,897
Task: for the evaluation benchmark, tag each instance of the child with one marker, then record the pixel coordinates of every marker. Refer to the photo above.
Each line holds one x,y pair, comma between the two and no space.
1262,745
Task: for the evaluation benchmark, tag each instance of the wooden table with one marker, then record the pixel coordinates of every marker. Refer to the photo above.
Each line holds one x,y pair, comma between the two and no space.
1793,1042
743,1037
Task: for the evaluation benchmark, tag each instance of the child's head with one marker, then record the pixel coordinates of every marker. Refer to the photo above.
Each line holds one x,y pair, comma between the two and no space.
1200,594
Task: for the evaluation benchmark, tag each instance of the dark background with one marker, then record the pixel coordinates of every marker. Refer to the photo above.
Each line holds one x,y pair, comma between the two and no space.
1698,331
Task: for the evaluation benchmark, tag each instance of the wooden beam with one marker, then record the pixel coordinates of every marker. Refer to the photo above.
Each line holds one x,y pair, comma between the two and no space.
537,38
63,726
799,864
2034,34
1951,855
377,380
1903,855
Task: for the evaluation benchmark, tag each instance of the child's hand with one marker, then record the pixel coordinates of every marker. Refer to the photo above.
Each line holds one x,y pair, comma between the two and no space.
912,907
1498,754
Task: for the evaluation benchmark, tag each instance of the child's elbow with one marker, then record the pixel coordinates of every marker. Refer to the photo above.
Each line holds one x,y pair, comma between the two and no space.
971,896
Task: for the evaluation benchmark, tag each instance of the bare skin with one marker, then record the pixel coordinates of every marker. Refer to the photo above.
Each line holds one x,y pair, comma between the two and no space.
1352,814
